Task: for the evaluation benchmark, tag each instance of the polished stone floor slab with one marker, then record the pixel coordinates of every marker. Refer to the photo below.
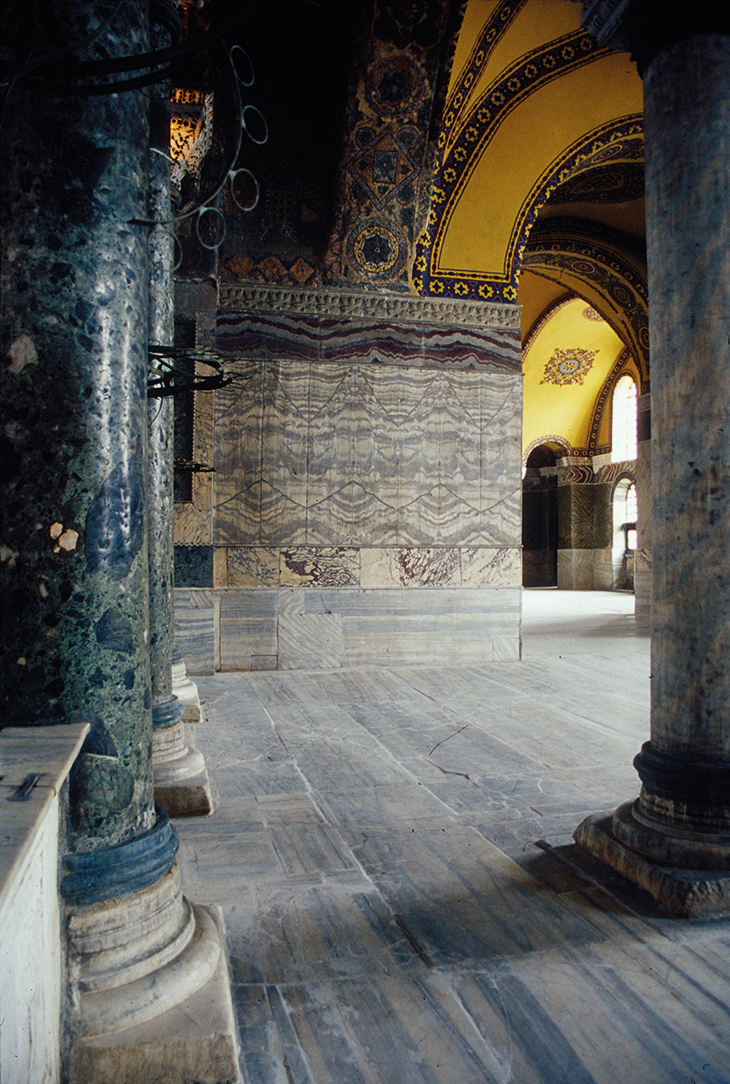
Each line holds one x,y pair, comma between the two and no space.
392,851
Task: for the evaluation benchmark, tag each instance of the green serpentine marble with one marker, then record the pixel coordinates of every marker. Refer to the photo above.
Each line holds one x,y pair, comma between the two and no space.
74,406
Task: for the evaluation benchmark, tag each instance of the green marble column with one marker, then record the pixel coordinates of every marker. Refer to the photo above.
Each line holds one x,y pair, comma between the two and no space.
74,407
181,781
166,708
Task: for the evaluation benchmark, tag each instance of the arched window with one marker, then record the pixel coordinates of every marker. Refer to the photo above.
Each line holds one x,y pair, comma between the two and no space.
623,421
625,515
631,516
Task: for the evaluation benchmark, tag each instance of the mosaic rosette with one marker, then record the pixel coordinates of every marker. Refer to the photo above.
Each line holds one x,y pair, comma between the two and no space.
568,366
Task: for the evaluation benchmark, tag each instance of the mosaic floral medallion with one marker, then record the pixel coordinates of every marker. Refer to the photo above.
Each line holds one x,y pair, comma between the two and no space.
378,248
395,87
590,313
568,366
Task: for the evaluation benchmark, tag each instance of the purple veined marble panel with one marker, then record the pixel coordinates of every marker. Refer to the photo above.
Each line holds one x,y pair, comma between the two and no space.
253,566
262,336
418,345
325,566
399,567
493,566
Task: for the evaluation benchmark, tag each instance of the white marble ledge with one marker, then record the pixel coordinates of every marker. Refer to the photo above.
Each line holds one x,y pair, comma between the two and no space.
50,751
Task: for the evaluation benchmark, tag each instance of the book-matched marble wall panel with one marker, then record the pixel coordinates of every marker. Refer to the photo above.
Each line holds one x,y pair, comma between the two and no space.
237,457
586,558
586,570
193,519
367,486
378,456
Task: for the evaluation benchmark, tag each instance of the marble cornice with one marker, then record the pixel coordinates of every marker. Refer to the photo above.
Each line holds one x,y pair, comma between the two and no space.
360,305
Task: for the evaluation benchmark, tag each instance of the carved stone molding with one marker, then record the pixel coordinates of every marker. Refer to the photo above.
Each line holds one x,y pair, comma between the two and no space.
399,308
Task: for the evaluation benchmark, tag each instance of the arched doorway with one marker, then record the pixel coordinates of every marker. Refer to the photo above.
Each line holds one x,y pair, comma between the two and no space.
624,533
540,518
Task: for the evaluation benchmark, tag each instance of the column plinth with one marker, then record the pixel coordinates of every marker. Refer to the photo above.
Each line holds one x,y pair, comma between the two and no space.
150,994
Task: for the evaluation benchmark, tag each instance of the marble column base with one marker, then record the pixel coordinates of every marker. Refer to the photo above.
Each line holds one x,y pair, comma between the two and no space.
182,786
149,991
679,891
187,693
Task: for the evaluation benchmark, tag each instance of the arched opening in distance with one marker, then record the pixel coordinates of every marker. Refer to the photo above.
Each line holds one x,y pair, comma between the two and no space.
540,518
623,420
625,517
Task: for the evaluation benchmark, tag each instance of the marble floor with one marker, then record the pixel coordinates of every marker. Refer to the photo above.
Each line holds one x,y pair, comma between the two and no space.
392,852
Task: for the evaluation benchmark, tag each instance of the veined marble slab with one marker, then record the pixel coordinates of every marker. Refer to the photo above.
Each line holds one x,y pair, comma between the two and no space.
253,566
342,455
577,568
323,566
499,604
483,566
329,339
310,642
320,624
247,629
30,920
197,628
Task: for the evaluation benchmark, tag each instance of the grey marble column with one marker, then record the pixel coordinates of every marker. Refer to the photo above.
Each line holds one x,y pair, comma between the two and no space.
687,117
675,840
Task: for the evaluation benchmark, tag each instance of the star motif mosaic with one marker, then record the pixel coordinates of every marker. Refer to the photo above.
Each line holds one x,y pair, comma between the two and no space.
568,366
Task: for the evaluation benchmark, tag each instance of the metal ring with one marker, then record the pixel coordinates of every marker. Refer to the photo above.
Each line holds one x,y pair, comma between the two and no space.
232,177
212,211
246,128
235,66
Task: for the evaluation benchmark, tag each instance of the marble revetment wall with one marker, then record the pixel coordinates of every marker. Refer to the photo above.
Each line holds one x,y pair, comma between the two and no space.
367,486
642,557
587,558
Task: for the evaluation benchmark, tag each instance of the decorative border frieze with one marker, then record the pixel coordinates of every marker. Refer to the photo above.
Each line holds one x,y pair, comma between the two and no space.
362,305
330,567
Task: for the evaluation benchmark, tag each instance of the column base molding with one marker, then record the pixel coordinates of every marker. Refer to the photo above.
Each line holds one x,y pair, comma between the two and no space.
680,892
184,689
182,786
187,693
149,990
